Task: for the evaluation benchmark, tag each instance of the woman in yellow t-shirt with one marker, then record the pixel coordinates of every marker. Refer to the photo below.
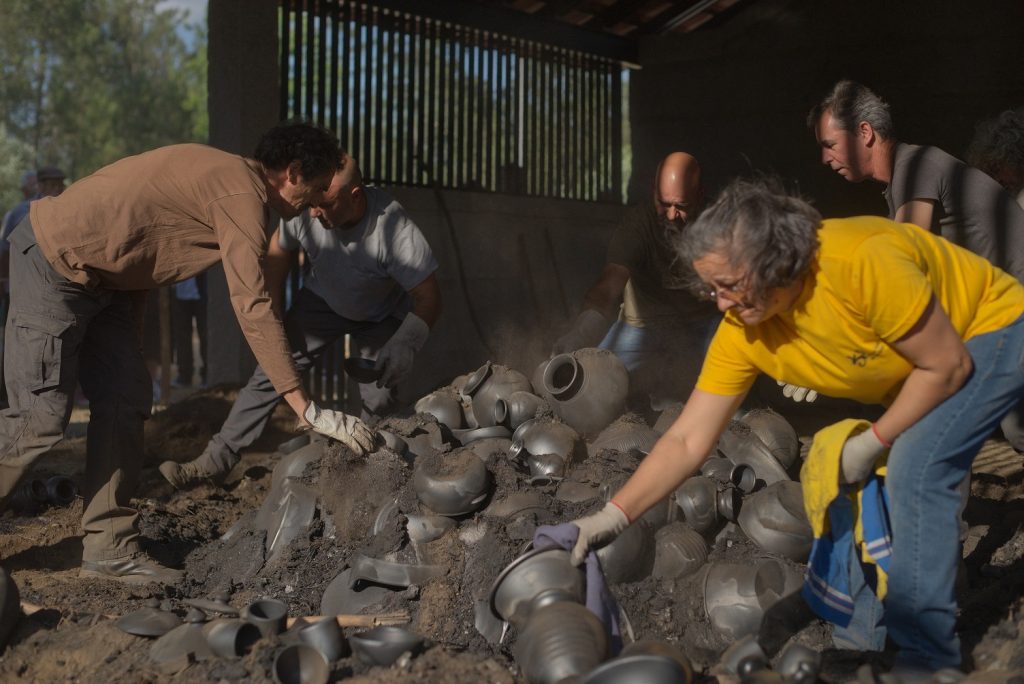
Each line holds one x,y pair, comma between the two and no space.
866,309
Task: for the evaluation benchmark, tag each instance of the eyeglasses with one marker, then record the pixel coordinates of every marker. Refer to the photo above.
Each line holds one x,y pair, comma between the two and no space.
734,291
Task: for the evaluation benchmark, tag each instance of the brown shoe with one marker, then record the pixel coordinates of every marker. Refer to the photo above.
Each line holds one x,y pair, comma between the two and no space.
137,569
191,473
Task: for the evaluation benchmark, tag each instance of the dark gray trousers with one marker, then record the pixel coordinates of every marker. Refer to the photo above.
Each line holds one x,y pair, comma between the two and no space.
60,334
312,327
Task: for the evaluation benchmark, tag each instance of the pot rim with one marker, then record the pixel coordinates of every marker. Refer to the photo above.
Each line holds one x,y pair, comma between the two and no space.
554,365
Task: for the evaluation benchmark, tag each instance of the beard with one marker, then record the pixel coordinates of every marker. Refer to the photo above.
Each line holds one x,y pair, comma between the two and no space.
671,230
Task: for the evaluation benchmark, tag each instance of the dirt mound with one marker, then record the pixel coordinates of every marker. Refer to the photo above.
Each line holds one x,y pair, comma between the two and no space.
362,509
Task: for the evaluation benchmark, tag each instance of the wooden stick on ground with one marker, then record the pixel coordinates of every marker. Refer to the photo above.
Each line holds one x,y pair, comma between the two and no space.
396,618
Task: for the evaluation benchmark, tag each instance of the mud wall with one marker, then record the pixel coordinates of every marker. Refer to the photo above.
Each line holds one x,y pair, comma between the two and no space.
527,263
736,92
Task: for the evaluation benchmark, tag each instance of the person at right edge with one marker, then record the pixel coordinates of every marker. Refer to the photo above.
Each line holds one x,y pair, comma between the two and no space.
924,185
660,331
865,309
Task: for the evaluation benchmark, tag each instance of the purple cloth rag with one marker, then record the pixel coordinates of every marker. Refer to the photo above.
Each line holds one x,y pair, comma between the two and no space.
599,599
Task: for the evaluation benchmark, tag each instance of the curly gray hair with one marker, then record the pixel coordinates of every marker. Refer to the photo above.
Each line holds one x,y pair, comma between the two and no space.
758,227
998,147
850,103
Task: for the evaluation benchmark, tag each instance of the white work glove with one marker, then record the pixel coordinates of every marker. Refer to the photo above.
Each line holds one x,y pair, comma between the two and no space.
597,529
587,330
396,356
797,393
859,456
347,429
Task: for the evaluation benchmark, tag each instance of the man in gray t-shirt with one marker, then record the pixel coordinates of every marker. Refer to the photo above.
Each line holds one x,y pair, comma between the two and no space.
924,186
370,274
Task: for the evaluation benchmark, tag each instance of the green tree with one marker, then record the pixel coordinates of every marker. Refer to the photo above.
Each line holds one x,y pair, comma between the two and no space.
86,82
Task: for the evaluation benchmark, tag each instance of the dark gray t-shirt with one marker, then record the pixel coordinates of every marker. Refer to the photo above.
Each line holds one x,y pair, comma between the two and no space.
364,272
656,292
972,209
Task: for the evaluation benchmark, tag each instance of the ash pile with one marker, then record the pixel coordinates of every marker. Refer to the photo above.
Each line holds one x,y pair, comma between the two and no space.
425,546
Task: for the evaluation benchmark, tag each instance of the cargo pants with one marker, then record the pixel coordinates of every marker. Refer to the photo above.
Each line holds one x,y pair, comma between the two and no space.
60,334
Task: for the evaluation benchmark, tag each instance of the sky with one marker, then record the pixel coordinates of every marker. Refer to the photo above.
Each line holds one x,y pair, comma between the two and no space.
195,8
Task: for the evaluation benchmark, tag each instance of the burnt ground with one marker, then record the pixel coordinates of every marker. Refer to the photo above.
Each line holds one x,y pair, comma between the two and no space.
362,504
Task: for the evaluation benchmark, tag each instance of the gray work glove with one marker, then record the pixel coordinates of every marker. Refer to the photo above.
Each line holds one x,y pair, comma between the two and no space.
598,529
587,330
347,429
859,456
797,393
396,356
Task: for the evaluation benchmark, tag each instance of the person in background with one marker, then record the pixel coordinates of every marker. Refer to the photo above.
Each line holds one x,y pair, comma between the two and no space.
371,275
865,309
29,191
998,149
189,315
660,330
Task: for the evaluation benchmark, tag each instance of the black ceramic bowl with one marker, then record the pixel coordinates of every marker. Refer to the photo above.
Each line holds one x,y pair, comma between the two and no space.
361,370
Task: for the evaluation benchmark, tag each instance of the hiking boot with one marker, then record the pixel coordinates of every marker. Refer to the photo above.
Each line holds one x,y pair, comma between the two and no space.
192,473
136,569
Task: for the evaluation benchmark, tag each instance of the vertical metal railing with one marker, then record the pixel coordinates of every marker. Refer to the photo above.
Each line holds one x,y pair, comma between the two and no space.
420,102
417,100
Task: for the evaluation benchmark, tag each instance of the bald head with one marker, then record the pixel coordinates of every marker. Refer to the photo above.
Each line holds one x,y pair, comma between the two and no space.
678,193
348,175
344,203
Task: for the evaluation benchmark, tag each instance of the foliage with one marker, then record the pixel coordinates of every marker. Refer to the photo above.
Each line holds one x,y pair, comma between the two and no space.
86,82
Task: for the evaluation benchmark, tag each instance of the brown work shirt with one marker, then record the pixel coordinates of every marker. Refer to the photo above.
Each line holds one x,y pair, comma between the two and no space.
163,216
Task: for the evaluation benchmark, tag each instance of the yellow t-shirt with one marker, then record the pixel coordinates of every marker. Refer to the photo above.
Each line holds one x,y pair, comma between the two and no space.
868,285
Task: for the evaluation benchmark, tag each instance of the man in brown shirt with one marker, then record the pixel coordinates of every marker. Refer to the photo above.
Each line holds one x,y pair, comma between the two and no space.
81,264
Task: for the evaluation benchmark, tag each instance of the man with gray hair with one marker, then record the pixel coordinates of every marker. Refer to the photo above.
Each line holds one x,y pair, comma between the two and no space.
924,186
371,276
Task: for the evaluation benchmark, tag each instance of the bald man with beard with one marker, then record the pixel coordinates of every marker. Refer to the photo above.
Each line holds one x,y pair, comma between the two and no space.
640,307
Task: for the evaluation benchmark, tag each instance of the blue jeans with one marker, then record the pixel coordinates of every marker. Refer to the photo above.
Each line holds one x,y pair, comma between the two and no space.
927,464
663,361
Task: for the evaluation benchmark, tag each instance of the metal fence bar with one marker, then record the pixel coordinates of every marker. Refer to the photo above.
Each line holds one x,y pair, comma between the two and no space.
481,110
309,86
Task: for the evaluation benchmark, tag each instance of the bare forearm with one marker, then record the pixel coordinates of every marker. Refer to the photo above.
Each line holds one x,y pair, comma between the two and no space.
604,302
679,452
922,391
426,300
298,400
660,474
606,293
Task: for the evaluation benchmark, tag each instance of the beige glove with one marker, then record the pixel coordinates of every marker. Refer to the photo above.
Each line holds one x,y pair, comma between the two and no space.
859,456
347,429
396,356
797,393
587,330
598,529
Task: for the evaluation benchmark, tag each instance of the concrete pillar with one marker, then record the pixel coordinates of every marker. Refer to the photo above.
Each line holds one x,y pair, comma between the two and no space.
243,97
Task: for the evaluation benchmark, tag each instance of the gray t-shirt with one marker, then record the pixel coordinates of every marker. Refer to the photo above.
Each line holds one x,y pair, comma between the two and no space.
364,272
972,209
